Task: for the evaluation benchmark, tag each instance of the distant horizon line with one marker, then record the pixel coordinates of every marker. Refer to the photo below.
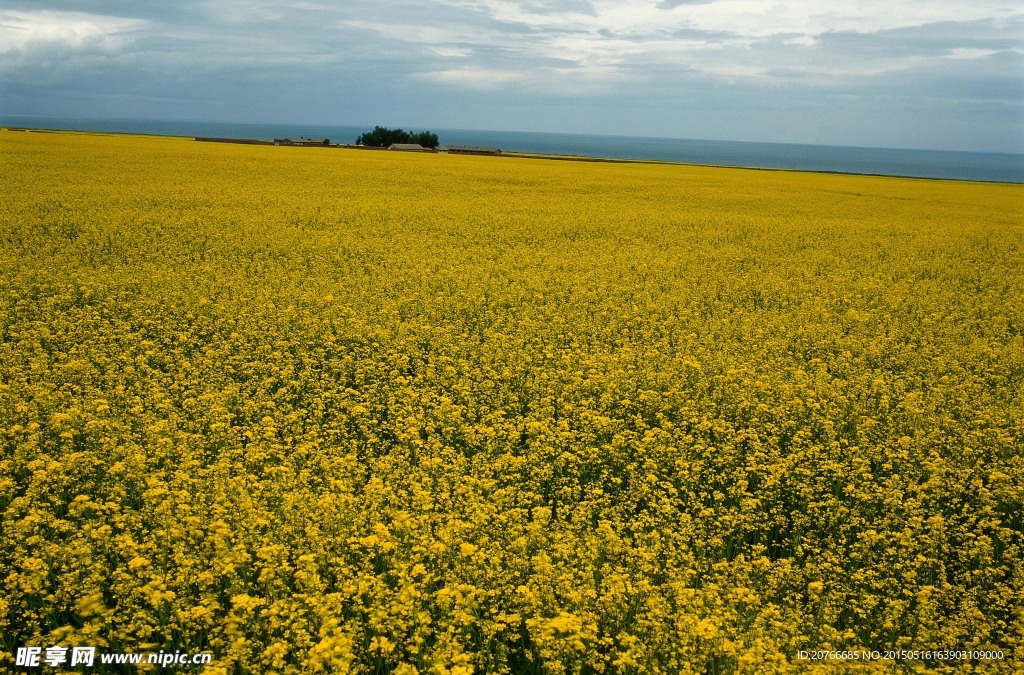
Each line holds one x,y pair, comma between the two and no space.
89,118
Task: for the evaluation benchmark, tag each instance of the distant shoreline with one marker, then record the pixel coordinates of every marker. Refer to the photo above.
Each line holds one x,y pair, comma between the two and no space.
523,155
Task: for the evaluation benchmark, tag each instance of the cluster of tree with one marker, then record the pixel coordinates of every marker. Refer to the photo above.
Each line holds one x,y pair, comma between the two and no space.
381,137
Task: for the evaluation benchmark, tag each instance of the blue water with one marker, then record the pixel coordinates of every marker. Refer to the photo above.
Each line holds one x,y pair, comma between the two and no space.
982,166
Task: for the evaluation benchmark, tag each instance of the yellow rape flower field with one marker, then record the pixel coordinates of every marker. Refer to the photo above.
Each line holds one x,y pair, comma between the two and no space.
327,410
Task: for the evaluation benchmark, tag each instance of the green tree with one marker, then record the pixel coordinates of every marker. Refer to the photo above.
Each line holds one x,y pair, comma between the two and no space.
382,137
427,139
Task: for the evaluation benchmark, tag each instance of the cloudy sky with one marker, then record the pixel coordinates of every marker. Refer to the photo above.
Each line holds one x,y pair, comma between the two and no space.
946,74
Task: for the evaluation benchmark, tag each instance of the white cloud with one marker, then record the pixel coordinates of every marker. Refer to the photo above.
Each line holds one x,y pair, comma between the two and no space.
970,53
22,30
474,78
609,41
448,51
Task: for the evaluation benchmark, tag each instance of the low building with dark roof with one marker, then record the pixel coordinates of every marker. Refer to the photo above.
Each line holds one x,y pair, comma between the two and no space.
302,141
470,150
407,147
247,141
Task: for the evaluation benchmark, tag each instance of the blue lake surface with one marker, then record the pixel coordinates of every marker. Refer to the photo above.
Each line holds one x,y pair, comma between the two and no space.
981,166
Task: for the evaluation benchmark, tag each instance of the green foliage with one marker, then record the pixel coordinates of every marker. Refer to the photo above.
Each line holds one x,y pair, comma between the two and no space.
382,137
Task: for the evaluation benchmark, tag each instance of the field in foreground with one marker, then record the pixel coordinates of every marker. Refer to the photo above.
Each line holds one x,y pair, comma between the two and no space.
353,412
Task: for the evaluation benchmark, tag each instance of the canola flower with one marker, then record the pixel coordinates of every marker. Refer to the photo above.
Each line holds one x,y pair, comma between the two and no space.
339,411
